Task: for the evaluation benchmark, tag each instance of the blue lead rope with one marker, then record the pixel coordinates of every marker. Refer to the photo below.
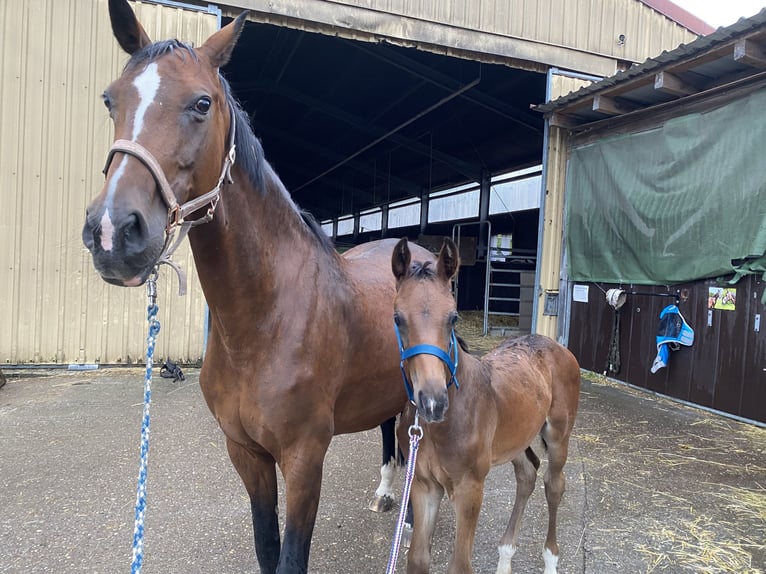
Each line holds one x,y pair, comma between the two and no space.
154,329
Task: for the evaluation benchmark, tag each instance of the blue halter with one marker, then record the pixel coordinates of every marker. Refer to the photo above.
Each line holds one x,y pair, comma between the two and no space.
446,358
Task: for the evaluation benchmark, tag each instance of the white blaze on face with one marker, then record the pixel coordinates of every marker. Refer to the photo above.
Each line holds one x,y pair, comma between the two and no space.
147,83
107,231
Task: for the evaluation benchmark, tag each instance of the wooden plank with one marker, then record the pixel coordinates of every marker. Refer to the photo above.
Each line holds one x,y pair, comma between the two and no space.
610,106
670,84
749,53
562,121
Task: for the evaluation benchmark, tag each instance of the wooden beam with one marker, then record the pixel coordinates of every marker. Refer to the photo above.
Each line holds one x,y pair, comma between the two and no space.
670,84
749,53
562,121
610,106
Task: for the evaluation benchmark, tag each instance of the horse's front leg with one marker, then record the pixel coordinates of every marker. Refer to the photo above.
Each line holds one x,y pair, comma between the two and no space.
466,498
301,467
425,498
259,475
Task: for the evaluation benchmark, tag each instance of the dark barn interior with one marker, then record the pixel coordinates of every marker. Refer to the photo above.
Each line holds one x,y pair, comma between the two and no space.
352,125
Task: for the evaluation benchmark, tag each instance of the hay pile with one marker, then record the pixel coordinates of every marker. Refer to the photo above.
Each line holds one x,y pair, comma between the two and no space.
470,328
690,496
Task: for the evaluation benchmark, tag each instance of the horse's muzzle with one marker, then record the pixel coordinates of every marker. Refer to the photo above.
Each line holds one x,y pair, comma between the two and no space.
124,253
432,407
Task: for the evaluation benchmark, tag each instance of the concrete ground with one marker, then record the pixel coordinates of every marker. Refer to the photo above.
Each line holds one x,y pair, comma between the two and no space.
653,486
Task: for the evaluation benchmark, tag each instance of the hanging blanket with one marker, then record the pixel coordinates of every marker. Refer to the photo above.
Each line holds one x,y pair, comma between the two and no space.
672,332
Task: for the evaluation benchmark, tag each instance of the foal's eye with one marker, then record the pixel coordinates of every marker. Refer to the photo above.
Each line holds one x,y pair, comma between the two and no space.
202,105
107,101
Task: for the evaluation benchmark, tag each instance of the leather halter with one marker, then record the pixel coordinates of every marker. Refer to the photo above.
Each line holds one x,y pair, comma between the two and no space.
177,213
445,356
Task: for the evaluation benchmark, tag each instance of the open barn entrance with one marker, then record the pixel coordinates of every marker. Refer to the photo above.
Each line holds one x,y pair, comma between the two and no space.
378,140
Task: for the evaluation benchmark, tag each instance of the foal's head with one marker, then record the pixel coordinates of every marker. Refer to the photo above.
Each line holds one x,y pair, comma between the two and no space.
425,314
171,105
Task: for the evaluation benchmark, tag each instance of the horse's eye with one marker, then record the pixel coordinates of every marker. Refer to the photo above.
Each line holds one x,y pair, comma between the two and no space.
202,105
107,101
453,319
397,320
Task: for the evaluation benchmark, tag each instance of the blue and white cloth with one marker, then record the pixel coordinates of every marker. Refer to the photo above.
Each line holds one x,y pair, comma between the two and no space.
672,332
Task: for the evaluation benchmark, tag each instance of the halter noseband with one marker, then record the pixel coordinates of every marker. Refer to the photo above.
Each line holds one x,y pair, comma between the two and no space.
438,352
177,213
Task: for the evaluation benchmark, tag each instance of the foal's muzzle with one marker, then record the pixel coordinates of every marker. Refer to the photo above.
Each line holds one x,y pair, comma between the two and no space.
431,408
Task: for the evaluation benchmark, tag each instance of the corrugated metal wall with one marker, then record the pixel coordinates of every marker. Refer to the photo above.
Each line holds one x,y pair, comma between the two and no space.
553,214
588,25
55,60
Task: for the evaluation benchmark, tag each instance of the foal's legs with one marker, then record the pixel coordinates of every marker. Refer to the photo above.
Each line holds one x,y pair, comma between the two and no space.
526,475
556,438
467,499
258,473
426,497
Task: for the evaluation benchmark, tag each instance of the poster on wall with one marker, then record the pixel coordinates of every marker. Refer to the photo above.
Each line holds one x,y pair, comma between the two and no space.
580,293
723,298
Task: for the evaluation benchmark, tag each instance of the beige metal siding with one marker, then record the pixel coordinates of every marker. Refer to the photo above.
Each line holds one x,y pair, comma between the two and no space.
553,217
55,60
587,26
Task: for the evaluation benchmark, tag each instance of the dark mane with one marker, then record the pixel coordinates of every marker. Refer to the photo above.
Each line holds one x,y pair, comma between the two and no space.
250,154
249,149
157,50
251,157
422,270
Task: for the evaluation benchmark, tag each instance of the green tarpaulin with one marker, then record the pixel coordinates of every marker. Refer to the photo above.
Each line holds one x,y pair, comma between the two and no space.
672,204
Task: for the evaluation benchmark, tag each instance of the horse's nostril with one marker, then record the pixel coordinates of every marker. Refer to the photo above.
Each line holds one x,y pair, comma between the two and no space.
133,231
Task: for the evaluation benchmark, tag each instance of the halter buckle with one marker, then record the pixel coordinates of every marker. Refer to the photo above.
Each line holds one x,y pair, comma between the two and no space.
174,218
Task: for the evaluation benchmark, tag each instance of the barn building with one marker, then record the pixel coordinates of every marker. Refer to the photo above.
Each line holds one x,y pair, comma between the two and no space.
385,118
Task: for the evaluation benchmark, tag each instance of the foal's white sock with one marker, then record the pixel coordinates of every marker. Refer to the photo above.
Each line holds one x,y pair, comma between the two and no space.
551,561
506,552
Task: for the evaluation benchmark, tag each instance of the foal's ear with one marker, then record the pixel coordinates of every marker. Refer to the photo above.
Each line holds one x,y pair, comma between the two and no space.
400,259
449,260
130,35
220,45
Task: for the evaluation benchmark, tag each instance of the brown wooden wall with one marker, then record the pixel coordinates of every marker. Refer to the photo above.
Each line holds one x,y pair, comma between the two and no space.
725,369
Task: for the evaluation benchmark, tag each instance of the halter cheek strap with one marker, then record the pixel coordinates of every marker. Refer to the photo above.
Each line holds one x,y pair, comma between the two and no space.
438,352
177,213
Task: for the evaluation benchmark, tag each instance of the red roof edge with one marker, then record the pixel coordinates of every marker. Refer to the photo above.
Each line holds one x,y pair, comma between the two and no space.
681,16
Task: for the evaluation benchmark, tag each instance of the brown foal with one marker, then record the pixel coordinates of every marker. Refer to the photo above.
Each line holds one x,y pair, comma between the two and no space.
524,387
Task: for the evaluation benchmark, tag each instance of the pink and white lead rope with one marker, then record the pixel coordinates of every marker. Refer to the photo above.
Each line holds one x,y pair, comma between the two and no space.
416,433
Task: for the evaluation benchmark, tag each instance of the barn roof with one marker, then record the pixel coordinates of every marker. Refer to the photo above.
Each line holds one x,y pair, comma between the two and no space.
724,60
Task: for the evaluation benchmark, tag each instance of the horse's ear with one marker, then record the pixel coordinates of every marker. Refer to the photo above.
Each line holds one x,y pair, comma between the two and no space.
130,35
449,260
220,45
400,259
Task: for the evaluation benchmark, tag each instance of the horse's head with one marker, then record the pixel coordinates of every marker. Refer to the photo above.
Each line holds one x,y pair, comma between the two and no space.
425,315
172,138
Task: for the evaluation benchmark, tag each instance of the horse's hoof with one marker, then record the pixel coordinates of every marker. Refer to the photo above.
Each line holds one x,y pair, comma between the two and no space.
382,503
406,536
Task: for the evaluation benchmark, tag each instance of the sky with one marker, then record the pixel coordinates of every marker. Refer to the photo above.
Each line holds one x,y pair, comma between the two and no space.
721,12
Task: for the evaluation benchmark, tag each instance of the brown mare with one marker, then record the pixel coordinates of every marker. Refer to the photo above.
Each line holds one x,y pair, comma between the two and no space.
298,349
497,406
